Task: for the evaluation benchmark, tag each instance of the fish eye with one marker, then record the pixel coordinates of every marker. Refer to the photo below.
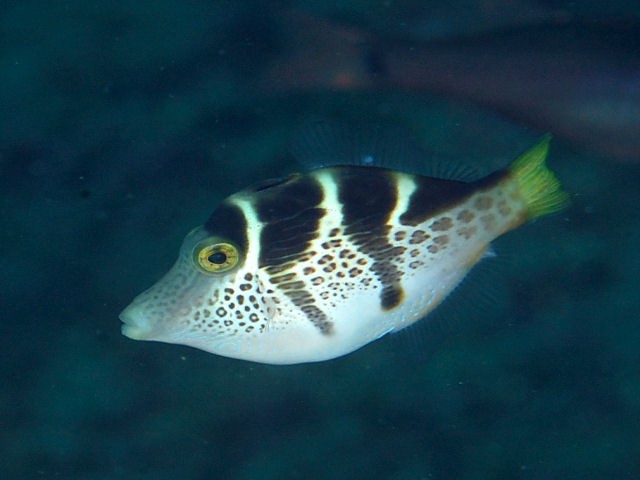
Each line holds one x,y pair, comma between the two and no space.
213,256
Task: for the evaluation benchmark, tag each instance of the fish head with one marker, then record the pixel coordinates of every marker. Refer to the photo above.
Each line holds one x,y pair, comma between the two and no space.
210,299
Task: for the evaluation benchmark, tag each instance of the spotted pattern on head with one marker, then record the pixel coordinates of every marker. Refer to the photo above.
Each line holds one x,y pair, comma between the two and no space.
243,307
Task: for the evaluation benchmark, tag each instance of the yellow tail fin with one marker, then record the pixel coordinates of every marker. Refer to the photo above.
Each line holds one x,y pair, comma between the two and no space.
538,185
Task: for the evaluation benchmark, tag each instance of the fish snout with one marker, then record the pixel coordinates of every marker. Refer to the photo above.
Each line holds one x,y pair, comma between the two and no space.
136,324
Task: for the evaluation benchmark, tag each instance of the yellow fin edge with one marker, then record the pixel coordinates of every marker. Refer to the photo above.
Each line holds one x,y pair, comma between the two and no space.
538,186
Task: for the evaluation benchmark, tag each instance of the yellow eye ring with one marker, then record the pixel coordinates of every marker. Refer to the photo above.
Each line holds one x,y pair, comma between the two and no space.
215,257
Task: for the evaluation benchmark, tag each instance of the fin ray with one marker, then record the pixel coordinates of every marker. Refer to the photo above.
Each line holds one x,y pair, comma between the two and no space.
537,184
321,143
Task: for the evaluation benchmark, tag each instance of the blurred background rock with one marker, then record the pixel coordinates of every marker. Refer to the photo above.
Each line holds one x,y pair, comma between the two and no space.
121,127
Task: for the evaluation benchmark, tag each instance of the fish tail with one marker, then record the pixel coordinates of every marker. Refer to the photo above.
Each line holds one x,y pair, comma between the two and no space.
537,185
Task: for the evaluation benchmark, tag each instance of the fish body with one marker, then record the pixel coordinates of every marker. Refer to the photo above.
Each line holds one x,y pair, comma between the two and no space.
315,266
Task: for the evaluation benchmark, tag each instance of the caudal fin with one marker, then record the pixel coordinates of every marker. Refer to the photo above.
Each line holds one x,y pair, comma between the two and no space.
538,186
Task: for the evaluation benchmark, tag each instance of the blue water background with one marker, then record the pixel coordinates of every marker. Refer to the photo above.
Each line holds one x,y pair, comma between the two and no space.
121,127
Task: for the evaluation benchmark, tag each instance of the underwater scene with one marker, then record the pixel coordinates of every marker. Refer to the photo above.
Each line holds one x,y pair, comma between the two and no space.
320,240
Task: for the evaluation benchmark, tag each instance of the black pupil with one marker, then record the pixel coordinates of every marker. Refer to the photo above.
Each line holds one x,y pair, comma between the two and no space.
218,258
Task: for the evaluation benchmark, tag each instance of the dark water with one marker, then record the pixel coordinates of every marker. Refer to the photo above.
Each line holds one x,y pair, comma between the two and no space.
122,125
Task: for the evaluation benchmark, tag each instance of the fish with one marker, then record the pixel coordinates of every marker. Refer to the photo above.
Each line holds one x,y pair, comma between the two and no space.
316,265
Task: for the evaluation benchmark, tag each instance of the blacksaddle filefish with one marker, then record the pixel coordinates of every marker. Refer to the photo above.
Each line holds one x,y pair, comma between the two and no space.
316,265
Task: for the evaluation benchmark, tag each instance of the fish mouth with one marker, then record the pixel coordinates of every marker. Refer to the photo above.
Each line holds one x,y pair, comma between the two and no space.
134,323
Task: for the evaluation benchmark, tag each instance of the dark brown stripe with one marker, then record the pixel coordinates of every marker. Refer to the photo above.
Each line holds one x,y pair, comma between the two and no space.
376,245
291,218
287,199
490,181
305,301
368,196
318,318
285,239
433,195
228,222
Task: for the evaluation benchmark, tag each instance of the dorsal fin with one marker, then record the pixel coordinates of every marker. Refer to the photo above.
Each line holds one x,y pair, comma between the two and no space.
320,143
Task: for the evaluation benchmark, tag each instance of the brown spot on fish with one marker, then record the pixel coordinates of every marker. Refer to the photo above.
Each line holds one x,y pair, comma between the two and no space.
441,225
418,237
488,221
331,244
354,272
330,268
399,236
503,208
467,232
433,248
441,240
325,259
465,216
346,253
483,202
